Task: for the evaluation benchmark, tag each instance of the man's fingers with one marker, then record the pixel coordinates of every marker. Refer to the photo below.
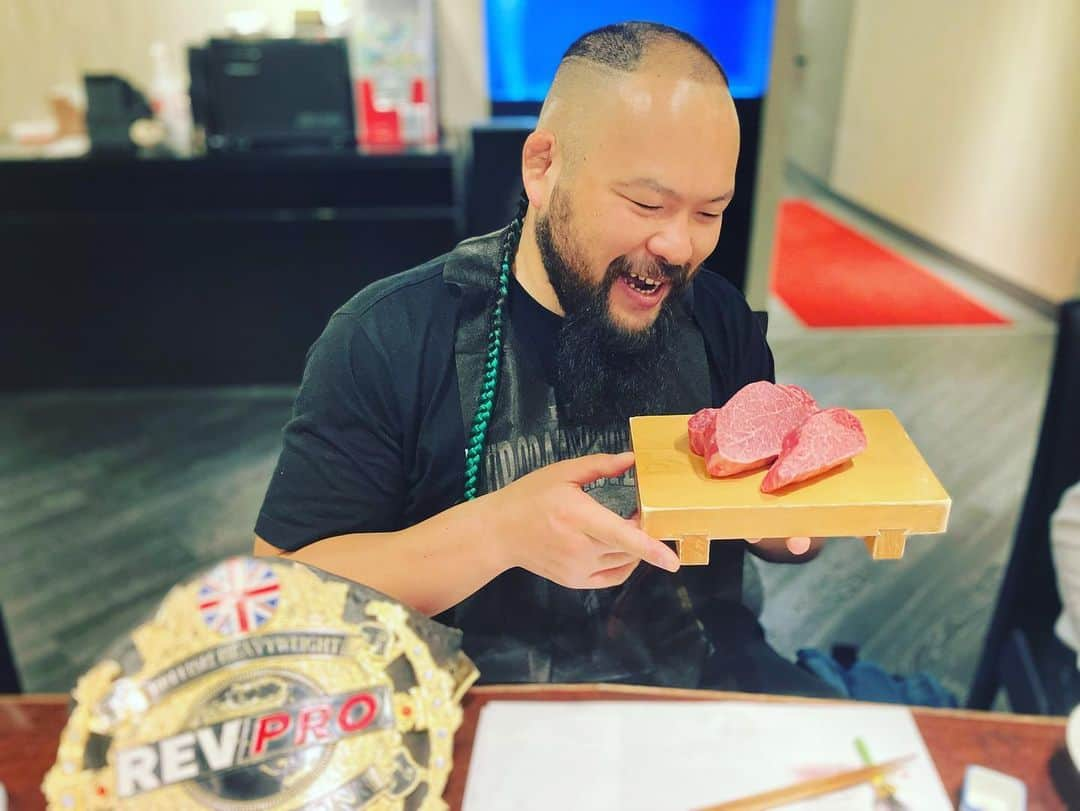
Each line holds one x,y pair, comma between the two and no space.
588,469
615,576
610,556
606,527
798,545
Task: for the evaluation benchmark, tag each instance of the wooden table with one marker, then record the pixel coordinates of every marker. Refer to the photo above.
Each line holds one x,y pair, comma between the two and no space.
1031,748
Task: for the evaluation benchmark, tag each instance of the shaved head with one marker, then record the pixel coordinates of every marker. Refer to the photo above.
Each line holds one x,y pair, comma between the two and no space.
587,81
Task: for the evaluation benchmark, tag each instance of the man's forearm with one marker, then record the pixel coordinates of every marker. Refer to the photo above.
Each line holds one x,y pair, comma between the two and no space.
431,566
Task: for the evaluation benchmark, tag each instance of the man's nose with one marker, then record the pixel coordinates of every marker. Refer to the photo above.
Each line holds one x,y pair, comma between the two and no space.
673,243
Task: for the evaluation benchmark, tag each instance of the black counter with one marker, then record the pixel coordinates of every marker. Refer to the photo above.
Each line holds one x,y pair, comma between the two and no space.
205,270
224,268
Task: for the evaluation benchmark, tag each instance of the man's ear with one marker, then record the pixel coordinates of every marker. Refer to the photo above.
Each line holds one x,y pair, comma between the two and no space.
539,167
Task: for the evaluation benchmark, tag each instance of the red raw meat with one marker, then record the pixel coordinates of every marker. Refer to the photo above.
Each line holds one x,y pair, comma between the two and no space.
825,440
749,430
700,425
801,393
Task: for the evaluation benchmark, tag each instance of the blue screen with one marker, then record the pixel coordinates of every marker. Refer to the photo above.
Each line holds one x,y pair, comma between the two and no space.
526,38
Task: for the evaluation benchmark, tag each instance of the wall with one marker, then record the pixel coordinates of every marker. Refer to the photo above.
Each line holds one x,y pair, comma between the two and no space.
463,81
960,123
768,188
822,29
48,42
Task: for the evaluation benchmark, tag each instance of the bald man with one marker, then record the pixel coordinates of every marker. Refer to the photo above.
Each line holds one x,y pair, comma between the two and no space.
459,440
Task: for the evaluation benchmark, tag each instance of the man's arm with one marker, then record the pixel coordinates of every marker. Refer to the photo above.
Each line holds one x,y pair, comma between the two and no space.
431,566
543,522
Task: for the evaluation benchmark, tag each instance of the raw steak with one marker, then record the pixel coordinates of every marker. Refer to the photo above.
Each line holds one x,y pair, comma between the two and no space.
700,425
827,439
749,430
801,393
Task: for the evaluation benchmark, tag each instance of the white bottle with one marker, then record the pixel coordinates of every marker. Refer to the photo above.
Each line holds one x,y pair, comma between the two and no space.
170,102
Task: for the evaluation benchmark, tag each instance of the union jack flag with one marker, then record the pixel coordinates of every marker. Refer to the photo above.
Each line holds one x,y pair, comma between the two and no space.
238,596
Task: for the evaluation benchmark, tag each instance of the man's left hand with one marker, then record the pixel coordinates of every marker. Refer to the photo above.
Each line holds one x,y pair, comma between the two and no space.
786,550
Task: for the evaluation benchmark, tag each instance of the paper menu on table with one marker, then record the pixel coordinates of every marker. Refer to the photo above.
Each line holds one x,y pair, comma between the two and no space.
658,755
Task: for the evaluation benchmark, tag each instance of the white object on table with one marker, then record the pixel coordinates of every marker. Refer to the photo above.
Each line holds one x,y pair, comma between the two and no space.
656,755
1072,736
1065,551
989,790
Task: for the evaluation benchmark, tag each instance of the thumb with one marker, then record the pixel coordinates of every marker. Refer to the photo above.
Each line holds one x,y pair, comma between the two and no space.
588,469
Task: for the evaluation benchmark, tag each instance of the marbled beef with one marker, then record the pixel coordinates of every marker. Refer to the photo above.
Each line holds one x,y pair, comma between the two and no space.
748,431
825,440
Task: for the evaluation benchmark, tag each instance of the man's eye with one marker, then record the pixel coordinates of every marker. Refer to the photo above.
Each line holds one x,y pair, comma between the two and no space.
646,207
708,214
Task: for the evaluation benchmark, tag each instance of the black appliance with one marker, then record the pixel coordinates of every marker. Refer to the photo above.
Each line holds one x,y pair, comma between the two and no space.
252,94
112,106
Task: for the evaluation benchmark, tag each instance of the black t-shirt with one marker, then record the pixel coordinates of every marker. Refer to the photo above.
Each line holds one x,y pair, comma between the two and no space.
376,443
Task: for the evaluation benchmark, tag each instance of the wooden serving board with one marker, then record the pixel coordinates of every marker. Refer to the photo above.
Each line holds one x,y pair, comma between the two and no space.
882,495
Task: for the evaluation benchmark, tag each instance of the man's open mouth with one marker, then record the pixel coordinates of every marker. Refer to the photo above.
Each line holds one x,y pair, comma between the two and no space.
646,285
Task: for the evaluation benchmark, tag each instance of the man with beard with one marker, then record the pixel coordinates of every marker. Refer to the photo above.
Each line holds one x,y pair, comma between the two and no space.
459,438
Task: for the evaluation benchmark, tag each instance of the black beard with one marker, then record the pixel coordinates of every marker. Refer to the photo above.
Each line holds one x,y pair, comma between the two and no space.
605,373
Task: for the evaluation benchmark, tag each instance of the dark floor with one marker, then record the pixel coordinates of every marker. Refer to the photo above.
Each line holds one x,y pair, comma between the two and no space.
108,499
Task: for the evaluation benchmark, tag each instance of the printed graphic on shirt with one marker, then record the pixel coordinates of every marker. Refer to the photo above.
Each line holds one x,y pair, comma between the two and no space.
508,460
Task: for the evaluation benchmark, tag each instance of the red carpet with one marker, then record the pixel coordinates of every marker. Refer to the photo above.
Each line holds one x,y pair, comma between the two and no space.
832,276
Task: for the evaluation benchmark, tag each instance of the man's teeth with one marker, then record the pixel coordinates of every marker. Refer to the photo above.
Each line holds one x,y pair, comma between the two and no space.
645,280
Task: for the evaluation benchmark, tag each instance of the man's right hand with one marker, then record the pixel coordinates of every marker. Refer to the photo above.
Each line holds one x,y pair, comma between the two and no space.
547,524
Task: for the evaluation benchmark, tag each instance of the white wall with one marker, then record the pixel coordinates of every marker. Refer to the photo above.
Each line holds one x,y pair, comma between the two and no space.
769,186
48,42
960,122
462,53
822,29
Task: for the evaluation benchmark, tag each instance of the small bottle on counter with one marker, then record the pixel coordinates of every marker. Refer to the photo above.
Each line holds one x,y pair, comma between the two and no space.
170,101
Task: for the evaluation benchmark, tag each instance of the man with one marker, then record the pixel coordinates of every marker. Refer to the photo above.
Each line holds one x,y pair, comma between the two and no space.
459,437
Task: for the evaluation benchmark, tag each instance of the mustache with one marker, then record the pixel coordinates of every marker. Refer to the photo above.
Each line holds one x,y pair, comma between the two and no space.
676,275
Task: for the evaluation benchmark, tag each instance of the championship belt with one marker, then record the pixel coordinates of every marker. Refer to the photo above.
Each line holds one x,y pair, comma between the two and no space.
265,684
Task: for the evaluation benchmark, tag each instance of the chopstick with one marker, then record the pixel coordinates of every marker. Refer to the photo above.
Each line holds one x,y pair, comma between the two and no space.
809,788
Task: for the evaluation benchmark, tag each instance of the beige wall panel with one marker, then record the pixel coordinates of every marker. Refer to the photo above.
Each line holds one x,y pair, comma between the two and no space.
960,122
822,31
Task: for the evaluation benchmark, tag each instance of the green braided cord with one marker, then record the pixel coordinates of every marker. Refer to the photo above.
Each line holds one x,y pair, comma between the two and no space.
485,404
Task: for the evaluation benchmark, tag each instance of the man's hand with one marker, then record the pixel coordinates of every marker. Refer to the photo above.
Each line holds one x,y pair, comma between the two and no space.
786,550
545,523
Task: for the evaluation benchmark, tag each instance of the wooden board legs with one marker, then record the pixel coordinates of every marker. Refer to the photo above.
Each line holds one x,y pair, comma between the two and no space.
888,544
693,550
